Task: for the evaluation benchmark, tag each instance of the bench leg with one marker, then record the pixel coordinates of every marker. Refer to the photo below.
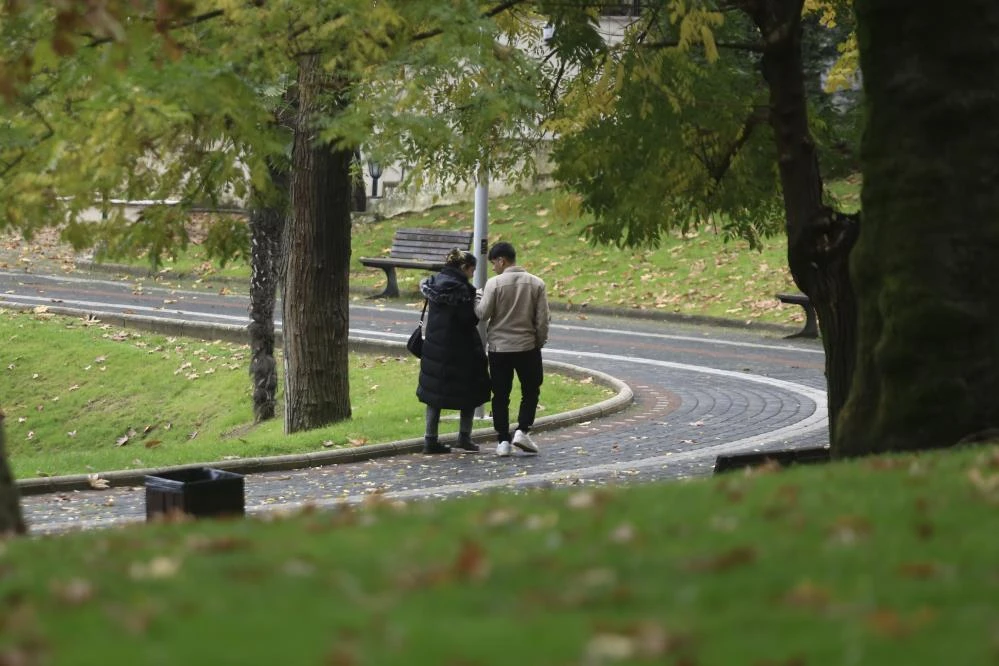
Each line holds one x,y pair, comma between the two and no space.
391,286
811,329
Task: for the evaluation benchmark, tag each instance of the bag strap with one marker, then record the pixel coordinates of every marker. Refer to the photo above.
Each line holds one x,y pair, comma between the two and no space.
424,310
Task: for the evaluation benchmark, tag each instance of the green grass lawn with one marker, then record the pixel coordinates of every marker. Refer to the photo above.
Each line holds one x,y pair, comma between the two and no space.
885,561
82,397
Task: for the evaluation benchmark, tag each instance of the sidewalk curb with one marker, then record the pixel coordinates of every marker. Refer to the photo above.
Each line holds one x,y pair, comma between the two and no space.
233,333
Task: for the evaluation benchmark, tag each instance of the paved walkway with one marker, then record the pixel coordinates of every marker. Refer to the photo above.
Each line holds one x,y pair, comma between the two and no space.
696,391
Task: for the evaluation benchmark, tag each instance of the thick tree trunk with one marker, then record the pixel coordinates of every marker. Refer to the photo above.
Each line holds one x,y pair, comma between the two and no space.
11,520
925,266
819,239
267,221
317,243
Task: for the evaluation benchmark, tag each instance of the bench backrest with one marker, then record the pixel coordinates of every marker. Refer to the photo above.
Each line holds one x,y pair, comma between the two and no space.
428,244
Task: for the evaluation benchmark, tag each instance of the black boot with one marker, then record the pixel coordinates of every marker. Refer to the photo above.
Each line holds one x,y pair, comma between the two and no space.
465,442
431,445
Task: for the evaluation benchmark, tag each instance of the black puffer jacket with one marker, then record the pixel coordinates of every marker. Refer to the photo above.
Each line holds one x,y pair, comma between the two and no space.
453,369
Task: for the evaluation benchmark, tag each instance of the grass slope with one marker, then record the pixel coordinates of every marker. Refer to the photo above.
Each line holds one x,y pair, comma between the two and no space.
882,561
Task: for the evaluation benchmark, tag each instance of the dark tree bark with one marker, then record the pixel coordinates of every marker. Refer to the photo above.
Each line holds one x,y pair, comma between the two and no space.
819,239
267,220
360,195
317,246
925,265
11,520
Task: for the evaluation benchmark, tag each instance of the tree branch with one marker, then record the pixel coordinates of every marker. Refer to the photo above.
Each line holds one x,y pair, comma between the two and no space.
22,153
757,116
498,9
653,19
719,168
186,23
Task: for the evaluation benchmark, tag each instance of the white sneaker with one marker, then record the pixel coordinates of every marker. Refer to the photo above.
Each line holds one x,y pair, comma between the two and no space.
524,442
503,449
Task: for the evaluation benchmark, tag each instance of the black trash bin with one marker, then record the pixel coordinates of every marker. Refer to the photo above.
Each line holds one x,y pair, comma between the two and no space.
199,491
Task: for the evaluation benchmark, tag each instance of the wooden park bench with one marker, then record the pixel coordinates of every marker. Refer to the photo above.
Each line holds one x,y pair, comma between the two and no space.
424,249
811,329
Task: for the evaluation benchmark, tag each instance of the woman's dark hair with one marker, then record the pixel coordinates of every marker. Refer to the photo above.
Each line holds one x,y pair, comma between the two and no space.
460,258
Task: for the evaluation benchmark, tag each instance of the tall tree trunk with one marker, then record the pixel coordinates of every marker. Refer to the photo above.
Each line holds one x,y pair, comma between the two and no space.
819,240
267,219
11,520
925,265
317,243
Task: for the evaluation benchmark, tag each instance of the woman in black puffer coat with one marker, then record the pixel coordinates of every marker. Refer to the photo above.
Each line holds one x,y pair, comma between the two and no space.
454,371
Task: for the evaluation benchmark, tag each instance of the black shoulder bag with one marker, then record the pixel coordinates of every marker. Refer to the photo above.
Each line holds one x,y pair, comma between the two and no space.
415,342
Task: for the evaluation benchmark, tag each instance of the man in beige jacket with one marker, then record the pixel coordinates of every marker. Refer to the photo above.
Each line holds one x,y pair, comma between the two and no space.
515,306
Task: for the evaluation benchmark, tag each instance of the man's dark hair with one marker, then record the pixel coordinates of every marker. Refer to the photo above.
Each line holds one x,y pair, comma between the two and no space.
503,249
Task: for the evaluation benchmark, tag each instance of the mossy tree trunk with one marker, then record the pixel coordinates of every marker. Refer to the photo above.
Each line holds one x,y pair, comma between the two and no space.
819,239
11,520
925,268
267,219
317,243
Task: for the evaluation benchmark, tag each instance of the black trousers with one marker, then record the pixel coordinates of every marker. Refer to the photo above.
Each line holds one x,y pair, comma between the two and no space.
530,374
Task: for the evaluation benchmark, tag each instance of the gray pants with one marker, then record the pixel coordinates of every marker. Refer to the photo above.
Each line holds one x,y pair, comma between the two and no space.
464,423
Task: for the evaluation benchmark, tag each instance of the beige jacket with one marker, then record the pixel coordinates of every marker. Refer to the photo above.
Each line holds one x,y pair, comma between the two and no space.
515,305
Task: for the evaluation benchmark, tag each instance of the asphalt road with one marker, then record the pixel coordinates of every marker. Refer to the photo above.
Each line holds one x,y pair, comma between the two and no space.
699,391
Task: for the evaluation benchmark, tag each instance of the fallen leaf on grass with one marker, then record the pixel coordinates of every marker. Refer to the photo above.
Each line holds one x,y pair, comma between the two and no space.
623,533
223,544
807,594
499,517
159,567
920,570
983,484
891,624
472,563
645,641
847,530
730,559
122,441
73,592
153,443
583,500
